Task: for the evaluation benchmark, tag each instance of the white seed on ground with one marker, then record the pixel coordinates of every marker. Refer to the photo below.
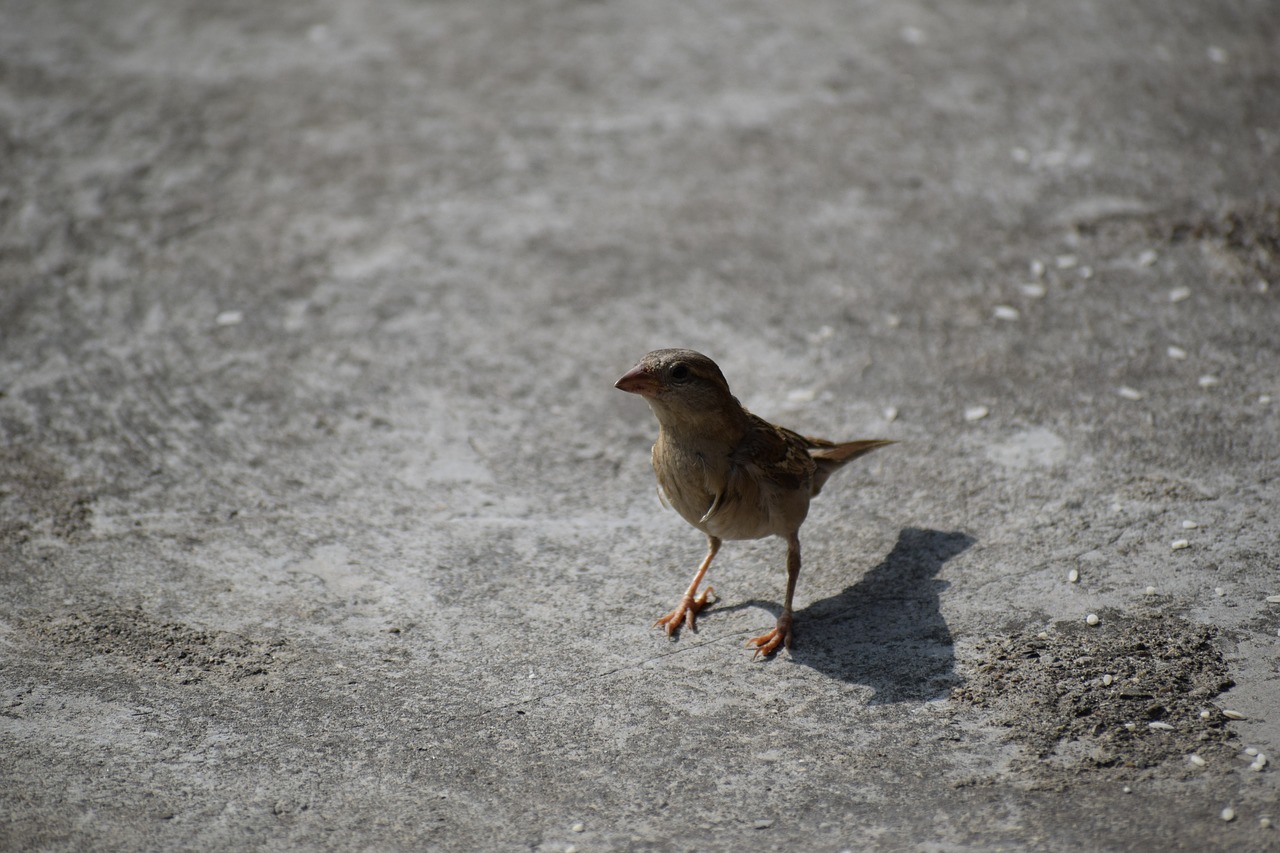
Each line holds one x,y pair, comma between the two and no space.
1033,290
1130,726
1151,590
890,413
1108,679
1179,544
1086,272
1177,353
1073,576
1264,822
976,413
578,827
1207,381
1264,399
1251,751
1228,814
1273,599
802,395
893,321
1159,726
229,318
1219,591
1196,760
1233,715
1129,393
1092,619
1262,285
1037,269
1206,714
1127,789
1066,262
1180,294
1007,312
1188,524
763,824
1147,258
1258,763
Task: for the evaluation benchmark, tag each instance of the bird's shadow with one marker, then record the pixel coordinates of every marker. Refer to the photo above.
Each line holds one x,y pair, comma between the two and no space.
886,631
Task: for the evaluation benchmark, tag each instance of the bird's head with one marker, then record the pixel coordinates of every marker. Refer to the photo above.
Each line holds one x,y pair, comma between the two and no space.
680,385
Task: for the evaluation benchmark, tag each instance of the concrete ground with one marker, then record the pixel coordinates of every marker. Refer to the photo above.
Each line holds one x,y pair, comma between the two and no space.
323,527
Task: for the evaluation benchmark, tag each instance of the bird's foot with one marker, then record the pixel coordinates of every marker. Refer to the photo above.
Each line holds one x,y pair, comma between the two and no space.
767,644
686,611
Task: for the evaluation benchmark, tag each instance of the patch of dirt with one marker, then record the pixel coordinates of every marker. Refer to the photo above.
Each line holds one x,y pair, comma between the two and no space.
37,498
1124,697
1245,240
171,649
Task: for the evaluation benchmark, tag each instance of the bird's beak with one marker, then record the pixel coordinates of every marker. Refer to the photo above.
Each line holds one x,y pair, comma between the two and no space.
637,380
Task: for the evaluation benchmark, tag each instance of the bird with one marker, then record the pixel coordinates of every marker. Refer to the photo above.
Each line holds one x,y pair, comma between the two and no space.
729,473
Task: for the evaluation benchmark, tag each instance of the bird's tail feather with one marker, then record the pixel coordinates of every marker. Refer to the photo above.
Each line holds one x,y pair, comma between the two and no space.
831,457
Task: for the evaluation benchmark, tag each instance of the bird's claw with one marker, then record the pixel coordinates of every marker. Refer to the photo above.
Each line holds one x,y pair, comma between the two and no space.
767,644
686,611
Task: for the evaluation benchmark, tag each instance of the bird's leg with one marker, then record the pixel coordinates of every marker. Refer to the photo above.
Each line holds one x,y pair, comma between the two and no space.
767,644
687,610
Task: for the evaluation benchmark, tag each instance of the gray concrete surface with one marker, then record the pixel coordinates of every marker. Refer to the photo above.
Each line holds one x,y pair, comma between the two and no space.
322,527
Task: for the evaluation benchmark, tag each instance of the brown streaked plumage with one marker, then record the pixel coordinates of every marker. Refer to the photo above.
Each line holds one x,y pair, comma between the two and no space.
729,473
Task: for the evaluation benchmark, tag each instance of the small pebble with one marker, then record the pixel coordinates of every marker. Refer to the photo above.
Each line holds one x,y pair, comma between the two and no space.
1264,399
1073,576
893,321
1217,55
1127,789
229,318
1129,393
1151,590
976,413
1207,381
1020,155
1264,822
1262,285
1258,763
1188,524
890,413
1206,714
1037,269
1159,726
1108,680
1177,353
1251,751
1033,290
1196,760
763,824
1219,591
1148,258
1007,312
578,827
1180,294
1273,599
1043,635
1066,262
1233,715
1130,726
1086,272
1228,814
1092,619
1180,544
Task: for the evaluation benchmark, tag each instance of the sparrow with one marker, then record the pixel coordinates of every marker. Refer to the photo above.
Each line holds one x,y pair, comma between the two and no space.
729,473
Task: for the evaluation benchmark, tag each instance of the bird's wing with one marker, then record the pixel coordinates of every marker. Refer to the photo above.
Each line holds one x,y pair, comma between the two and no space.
775,455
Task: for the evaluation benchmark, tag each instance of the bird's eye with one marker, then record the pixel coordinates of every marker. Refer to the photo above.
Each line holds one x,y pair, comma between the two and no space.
680,371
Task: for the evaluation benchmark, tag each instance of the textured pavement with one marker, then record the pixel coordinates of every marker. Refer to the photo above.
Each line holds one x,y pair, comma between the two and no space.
323,527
